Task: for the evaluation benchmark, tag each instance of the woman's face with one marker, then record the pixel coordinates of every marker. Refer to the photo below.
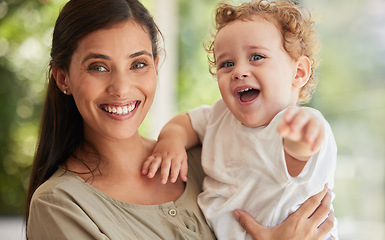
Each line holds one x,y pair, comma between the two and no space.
112,77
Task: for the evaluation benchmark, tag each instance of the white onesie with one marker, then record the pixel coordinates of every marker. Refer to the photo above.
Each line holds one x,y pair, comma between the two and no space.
246,170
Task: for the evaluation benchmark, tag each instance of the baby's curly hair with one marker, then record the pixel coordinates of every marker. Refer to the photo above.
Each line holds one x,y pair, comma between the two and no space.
297,28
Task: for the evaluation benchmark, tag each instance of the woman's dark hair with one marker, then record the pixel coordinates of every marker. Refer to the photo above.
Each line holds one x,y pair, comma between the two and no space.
61,131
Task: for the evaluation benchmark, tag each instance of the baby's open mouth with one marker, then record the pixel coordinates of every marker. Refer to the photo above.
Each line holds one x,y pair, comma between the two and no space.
248,94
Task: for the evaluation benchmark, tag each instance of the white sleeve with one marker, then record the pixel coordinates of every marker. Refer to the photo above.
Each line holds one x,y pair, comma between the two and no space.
205,115
199,120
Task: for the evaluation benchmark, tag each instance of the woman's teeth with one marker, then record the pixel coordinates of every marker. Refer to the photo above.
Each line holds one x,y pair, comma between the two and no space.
120,110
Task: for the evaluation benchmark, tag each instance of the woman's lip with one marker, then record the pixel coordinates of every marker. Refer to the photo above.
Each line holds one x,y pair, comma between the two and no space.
120,109
117,104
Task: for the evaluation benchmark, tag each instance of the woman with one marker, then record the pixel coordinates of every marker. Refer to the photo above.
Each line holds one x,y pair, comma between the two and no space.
86,180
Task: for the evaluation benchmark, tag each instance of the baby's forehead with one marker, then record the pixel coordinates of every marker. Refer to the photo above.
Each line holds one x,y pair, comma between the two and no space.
269,18
261,17
256,23
258,33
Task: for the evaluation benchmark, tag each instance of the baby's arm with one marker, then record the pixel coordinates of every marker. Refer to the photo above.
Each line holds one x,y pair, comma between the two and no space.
170,152
303,133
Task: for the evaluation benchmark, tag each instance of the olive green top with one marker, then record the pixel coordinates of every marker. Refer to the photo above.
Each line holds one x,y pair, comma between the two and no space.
67,207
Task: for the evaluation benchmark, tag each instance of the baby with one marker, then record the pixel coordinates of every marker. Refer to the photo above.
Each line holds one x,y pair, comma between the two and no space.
262,153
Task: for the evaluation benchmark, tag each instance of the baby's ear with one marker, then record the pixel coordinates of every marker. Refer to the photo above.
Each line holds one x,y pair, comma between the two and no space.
303,72
61,78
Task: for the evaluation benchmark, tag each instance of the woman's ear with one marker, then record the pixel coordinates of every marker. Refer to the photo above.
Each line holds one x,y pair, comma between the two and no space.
61,78
303,72
156,61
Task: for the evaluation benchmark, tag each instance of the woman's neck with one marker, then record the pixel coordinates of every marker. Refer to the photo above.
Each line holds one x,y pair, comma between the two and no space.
112,157
118,168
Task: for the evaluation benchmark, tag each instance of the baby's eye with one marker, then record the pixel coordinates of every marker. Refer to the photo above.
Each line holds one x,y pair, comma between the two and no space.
139,65
227,64
256,57
98,68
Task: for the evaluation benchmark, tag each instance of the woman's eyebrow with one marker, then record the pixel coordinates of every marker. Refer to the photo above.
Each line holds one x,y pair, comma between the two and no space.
102,56
95,56
140,53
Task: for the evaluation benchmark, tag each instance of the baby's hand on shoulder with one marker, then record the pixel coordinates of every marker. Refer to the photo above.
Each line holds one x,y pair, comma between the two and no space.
171,158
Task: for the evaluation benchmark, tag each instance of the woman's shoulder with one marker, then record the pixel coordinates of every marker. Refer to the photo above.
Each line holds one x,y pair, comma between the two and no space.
61,207
60,183
195,170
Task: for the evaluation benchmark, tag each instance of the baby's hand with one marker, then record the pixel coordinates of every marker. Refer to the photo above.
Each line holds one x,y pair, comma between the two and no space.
302,130
170,158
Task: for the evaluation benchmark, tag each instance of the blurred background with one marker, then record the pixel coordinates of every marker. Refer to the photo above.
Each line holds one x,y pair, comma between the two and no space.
350,94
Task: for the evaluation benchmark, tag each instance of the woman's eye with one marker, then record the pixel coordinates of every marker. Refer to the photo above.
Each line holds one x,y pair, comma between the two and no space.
256,57
98,68
227,64
139,65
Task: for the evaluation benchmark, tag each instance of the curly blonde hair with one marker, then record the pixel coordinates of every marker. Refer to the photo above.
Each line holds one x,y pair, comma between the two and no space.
297,28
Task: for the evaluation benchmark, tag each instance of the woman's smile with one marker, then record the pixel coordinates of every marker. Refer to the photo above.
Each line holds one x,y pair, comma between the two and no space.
120,112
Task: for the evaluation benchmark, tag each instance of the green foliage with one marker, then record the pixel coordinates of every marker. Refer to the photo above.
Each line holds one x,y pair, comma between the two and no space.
196,86
351,95
25,32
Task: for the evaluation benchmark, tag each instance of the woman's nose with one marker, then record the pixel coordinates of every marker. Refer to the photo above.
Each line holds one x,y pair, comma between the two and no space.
119,85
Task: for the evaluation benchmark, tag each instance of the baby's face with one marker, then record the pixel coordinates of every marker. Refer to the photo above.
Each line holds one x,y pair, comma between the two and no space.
254,71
